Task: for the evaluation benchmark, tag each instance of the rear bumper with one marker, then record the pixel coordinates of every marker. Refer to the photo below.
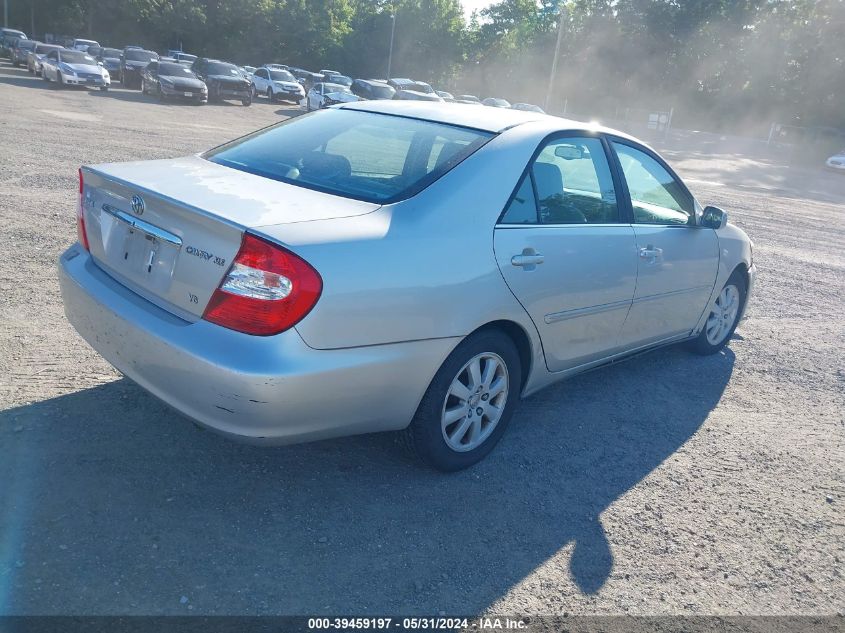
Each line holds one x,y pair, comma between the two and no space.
261,389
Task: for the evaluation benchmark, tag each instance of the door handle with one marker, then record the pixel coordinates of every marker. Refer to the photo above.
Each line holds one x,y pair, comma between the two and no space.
528,260
651,253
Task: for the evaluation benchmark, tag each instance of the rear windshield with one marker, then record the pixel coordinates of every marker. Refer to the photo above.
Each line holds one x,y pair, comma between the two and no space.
135,55
112,53
46,48
382,92
362,155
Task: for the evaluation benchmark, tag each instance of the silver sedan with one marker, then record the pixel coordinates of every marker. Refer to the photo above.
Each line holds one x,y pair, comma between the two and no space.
395,266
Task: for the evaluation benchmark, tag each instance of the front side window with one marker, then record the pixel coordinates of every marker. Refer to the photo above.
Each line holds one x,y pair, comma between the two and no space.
656,196
361,155
573,185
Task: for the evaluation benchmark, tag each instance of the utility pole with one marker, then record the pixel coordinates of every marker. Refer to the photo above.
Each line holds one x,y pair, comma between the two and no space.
554,62
390,53
5,13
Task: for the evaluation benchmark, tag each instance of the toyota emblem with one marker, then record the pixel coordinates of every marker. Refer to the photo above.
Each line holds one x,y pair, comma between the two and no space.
137,205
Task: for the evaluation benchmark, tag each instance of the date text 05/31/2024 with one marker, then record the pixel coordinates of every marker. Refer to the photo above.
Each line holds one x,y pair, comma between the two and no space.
419,623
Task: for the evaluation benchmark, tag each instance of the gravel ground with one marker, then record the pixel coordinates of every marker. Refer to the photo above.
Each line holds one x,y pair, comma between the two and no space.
670,484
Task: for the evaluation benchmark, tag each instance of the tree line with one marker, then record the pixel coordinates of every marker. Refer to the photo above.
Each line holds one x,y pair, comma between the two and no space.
733,65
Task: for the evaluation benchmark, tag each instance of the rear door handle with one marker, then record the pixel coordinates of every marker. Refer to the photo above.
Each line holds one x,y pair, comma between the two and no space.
528,260
651,253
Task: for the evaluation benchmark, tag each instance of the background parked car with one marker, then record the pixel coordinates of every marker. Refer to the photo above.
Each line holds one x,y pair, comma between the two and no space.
276,85
108,57
372,89
132,62
528,107
305,77
20,51
446,96
336,78
495,102
67,67
837,162
83,45
7,38
224,80
33,60
172,80
322,95
467,99
411,90
182,58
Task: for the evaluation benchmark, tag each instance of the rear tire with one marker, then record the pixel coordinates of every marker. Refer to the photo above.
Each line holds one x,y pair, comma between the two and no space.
480,380
723,317
247,101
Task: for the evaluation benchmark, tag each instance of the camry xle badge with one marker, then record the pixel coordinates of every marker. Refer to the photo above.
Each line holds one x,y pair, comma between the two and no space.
137,205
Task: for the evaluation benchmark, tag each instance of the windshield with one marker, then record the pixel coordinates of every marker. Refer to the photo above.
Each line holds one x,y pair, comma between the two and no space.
361,155
343,80
186,57
135,55
281,75
112,53
43,49
77,57
26,44
172,69
219,68
327,88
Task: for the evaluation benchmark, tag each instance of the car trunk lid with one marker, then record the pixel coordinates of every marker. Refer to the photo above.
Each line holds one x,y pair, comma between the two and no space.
170,229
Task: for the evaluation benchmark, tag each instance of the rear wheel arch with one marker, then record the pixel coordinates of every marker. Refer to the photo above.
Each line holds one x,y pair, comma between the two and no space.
520,339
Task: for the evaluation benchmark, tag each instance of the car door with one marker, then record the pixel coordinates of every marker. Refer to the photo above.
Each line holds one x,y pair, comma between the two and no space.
50,64
259,80
568,252
150,77
677,261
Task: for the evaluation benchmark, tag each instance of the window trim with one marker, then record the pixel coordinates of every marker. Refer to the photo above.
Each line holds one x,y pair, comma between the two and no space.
623,210
611,139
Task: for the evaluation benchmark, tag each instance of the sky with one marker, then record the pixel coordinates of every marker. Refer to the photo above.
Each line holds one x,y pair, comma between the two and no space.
472,5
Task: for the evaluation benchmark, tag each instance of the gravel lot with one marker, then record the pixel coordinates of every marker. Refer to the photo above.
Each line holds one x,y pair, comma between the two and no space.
669,484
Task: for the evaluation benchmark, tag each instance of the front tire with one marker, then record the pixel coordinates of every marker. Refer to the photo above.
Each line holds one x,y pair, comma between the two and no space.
723,318
247,101
468,404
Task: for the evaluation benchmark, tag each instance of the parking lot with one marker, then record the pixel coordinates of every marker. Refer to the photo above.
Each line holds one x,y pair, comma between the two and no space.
669,484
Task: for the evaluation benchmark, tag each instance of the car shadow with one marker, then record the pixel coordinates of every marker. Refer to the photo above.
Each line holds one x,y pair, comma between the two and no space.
118,505
290,111
25,80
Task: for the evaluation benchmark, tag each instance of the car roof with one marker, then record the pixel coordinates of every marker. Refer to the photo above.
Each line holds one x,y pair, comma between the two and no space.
478,117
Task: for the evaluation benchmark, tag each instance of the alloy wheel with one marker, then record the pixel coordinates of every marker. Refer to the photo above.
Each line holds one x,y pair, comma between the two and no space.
723,315
475,402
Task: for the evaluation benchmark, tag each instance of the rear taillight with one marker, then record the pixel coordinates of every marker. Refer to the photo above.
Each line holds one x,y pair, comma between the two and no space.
80,218
267,290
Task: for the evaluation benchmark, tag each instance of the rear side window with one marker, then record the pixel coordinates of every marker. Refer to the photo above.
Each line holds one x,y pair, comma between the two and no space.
362,155
573,185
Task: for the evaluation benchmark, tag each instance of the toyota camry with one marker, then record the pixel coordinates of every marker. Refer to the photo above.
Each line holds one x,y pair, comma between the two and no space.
395,266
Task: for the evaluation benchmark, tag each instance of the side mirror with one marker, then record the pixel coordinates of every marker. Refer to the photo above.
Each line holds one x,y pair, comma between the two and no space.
714,218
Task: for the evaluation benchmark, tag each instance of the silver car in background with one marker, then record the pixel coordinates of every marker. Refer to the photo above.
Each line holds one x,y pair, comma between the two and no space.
37,55
66,67
385,266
